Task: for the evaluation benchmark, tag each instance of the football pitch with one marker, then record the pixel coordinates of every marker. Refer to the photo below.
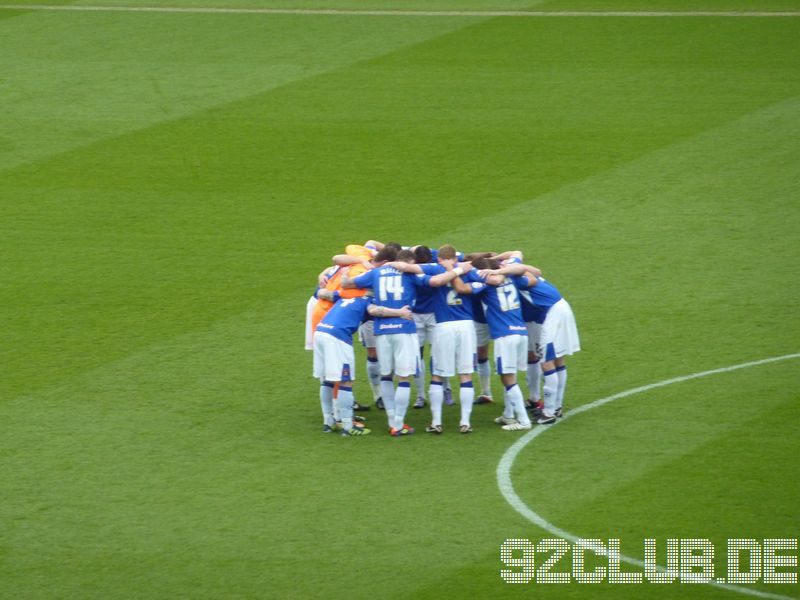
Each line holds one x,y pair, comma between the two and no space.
173,176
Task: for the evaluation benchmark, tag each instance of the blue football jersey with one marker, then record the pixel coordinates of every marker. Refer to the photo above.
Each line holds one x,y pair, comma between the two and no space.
530,312
344,317
424,303
393,289
448,305
503,308
541,297
478,314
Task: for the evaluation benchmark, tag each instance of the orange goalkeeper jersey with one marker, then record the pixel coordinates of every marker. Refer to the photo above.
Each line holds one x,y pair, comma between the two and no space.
335,283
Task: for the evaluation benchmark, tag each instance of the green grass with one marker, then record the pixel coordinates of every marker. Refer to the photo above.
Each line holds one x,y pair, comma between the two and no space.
449,5
170,184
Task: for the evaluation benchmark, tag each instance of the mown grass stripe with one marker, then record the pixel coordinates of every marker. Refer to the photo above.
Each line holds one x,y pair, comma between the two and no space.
403,13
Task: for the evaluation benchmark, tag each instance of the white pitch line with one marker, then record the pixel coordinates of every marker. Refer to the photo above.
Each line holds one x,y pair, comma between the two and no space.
507,462
398,13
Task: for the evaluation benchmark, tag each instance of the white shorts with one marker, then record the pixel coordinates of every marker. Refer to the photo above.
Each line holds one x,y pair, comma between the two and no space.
334,360
312,302
559,333
425,324
454,349
482,334
534,335
366,333
511,354
398,354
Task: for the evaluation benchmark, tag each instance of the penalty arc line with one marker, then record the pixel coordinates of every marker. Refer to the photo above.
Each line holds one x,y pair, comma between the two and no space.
507,462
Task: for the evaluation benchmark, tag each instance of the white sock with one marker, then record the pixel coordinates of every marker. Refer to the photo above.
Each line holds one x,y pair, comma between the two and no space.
550,392
508,405
401,400
326,402
516,400
534,381
419,378
436,395
374,376
335,393
345,404
467,397
387,393
310,305
485,377
561,372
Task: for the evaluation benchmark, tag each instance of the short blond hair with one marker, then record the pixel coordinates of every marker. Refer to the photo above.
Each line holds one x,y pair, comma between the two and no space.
446,252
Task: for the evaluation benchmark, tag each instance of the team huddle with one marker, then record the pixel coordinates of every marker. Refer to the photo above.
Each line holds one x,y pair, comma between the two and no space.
398,299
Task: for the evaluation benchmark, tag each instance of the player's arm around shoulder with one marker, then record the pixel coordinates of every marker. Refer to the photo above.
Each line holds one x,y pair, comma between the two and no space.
325,275
494,279
329,295
452,274
458,283
404,267
385,312
348,260
508,255
364,280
